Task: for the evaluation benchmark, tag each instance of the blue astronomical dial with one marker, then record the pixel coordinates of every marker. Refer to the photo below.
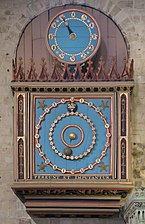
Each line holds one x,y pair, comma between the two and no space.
73,36
73,136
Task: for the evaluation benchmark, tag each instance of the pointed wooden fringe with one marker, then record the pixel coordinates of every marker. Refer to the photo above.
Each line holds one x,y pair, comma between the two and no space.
79,72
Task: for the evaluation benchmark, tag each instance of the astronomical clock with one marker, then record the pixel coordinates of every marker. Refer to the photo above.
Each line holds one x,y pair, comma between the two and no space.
71,127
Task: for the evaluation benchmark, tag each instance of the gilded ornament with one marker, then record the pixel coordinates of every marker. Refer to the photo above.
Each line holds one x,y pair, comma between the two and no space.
90,167
103,117
81,100
54,104
104,104
97,109
82,170
41,117
107,144
47,161
54,167
72,171
41,154
42,166
47,110
51,143
72,99
98,160
55,121
37,126
37,136
72,136
106,125
72,107
38,145
42,105
90,104
103,167
63,170
103,153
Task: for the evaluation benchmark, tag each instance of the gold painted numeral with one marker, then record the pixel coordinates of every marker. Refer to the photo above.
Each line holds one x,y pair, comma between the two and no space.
53,25
72,58
91,25
84,17
50,36
53,47
61,55
73,14
91,48
62,17
83,55
94,36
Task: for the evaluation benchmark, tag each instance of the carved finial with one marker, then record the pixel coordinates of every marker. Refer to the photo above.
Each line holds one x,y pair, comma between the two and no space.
20,73
112,75
43,73
100,75
125,74
89,74
32,75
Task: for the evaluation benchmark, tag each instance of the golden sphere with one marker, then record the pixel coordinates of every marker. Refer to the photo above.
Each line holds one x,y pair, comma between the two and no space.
72,136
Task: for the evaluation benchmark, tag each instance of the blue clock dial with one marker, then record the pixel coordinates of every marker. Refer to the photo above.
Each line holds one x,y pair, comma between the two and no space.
73,36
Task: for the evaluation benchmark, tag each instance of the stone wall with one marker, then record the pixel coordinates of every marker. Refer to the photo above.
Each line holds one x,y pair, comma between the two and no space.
14,16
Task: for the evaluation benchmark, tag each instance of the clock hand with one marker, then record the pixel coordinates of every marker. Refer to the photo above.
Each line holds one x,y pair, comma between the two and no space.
71,33
69,30
67,25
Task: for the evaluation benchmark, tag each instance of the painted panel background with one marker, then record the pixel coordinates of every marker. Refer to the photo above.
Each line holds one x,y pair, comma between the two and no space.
90,121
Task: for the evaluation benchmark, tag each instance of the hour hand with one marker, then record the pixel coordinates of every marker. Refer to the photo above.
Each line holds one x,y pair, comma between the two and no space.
67,25
71,33
69,29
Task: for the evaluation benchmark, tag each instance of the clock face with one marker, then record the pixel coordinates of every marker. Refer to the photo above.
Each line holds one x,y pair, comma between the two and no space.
73,136
73,36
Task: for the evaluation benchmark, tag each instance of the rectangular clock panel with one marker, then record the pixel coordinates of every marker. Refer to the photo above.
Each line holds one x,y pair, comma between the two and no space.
73,136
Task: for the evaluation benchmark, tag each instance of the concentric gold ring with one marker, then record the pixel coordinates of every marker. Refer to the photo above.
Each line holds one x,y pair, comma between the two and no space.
62,136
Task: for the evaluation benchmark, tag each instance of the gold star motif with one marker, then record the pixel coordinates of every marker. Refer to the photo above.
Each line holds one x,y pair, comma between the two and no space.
42,166
41,105
103,167
104,105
